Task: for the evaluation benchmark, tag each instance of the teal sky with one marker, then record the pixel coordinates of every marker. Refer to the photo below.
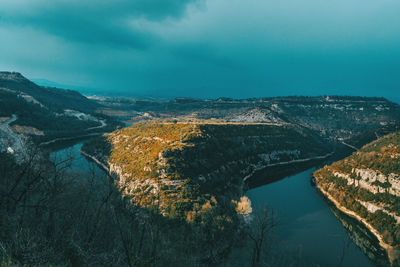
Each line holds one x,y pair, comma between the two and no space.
206,48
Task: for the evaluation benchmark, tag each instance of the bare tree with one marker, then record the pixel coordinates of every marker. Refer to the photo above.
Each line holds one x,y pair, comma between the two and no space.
263,222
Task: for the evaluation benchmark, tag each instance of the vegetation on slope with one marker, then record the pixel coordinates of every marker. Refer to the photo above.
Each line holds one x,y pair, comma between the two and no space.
44,109
354,119
52,217
54,99
369,178
186,167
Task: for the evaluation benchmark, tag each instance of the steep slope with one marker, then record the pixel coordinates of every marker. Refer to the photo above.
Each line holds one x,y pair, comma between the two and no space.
183,166
29,111
50,97
366,185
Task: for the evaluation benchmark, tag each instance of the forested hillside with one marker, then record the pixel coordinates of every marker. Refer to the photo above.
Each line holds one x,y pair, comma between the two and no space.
50,216
53,98
42,114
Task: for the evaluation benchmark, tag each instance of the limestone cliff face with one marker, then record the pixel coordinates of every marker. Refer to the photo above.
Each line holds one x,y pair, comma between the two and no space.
373,181
367,183
182,166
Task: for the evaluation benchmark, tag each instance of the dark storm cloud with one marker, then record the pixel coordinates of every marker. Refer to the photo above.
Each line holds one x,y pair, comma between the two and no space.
207,48
101,22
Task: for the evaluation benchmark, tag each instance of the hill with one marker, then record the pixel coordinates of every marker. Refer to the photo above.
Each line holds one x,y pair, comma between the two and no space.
42,114
366,185
183,166
347,120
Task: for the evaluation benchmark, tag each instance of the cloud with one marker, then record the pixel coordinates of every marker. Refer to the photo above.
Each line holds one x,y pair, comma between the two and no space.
206,47
101,22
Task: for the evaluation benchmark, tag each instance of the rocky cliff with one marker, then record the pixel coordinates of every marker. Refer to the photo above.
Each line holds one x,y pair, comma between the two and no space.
366,185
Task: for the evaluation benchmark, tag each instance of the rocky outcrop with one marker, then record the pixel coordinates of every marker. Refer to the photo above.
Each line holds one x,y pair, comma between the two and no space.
366,186
373,181
258,115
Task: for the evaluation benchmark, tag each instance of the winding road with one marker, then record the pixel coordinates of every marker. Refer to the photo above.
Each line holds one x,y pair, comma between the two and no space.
348,145
68,138
16,140
102,125
9,139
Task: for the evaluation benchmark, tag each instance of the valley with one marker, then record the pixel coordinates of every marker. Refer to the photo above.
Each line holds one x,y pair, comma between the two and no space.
190,164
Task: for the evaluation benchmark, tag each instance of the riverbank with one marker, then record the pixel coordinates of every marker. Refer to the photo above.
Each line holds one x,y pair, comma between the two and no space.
288,190
98,162
393,252
69,138
308,233
263,167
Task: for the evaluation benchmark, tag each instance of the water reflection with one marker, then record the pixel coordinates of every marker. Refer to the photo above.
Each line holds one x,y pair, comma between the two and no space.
365,240
308,231
78,164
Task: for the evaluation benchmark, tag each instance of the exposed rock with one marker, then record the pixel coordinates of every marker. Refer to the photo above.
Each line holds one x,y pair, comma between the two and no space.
258,115
366,185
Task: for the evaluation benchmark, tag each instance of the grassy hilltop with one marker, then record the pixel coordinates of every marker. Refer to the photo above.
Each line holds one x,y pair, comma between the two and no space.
183,166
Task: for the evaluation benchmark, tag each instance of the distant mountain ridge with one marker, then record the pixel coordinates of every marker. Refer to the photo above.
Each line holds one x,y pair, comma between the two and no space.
353,120
348,121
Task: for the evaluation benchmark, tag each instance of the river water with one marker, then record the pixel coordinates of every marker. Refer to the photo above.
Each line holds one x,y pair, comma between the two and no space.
307,229
308,233
79,163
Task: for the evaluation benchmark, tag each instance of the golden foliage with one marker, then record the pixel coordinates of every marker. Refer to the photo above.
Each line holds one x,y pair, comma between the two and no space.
138,148
243,206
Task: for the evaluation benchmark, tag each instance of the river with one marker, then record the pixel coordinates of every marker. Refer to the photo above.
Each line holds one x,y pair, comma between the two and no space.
307,228
308,233
79,163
